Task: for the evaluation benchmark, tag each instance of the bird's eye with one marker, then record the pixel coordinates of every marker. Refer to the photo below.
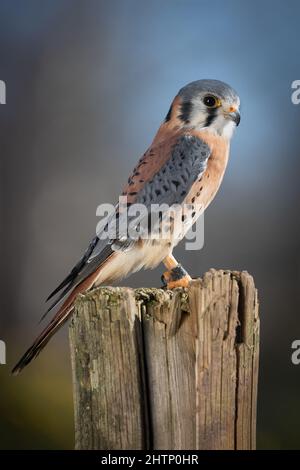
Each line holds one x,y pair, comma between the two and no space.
211,101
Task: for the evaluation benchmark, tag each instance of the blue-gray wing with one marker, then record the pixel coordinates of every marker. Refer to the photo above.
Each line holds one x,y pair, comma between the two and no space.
188,160
169,185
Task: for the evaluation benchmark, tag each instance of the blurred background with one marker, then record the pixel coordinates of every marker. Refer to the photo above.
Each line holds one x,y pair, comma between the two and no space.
88,83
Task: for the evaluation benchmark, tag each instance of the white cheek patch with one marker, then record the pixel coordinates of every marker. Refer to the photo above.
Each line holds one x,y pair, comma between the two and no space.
228,129
222,126
197,118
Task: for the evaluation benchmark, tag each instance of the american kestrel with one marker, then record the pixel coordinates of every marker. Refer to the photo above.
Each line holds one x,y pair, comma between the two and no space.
183,167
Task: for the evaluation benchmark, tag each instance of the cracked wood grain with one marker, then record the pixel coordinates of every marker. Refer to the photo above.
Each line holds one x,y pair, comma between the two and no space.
156,369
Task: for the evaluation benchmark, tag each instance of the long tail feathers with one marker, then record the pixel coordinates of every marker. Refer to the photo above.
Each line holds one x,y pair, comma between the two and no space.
42,340
56,302
58,320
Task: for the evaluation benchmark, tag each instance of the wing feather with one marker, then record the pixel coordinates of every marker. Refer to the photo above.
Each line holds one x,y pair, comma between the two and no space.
164,175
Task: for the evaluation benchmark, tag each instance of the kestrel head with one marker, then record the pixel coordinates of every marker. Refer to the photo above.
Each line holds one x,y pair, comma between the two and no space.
208,104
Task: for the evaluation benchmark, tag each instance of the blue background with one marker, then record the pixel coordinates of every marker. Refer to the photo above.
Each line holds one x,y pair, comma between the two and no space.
88,83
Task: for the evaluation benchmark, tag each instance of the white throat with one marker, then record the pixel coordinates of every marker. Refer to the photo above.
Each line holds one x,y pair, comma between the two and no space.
220,126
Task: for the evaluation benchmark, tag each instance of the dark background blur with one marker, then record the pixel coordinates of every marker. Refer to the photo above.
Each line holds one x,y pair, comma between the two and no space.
88,83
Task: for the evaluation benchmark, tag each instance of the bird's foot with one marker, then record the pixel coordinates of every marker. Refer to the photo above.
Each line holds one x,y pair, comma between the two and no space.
176,277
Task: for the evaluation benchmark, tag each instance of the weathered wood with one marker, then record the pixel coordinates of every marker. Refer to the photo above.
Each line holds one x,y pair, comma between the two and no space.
156,369
108,370
170,364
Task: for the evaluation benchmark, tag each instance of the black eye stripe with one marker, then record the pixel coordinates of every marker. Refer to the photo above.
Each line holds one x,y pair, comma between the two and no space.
186,109
211,115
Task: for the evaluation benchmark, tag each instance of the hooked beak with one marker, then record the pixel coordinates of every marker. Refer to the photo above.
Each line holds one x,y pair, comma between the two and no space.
235,117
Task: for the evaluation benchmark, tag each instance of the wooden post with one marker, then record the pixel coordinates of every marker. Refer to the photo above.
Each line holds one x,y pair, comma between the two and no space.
156,369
